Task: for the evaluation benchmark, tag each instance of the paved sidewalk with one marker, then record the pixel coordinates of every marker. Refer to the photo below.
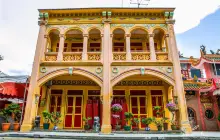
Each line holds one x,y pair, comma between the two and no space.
97,136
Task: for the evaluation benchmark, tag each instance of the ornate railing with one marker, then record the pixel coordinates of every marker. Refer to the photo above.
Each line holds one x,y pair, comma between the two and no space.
119,56
94,56
72,56
162,55
51,56
140,56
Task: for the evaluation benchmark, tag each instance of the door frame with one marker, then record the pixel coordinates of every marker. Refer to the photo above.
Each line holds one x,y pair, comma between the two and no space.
73,114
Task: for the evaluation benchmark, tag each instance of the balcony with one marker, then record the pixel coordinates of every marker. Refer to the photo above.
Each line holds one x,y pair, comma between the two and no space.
51,56
162,56
119,56
140,56
72,56
94,56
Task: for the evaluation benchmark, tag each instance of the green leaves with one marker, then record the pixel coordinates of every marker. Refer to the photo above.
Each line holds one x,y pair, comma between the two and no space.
147,121
46,116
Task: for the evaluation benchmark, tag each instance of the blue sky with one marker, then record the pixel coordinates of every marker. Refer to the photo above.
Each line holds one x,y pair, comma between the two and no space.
206,33
197,22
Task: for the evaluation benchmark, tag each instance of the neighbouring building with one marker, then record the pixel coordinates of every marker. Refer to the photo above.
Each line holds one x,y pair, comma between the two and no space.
202,90
89,58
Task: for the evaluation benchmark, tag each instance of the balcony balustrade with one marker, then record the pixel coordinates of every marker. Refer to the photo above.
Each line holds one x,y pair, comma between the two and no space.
119,56
51,56
72,56
140,56
162,56
94,56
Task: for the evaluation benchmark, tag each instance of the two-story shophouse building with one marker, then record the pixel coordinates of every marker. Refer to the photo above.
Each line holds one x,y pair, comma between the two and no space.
89,58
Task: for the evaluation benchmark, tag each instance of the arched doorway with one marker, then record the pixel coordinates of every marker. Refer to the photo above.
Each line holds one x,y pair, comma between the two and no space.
75,96
192,117
141,93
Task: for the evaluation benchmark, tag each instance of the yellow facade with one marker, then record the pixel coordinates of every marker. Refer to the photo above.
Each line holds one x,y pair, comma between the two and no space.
105,50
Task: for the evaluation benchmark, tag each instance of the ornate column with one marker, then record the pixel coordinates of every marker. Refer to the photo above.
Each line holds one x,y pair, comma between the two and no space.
179,88
44,47
34,89
128,47
215,107
201,111
168,46
102,49
152,49
106,88
85,46
61,47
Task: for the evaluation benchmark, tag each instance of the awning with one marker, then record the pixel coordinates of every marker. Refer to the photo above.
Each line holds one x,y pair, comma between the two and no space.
12,90
216,92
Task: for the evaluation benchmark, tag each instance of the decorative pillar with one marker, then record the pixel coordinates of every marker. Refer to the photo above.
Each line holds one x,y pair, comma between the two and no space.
61,47
152,49
85,46
128,46
168,46
106,88
178,87
34,89
44,47
102,49
201,112
110,48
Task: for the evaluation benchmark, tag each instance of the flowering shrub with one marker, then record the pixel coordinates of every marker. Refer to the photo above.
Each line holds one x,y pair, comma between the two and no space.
171,107
116,108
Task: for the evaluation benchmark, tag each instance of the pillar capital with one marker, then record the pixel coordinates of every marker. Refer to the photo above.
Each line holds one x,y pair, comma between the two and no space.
111,35
46,36
42,22
62,36
127,35
85,35
167,35
170,21
151,35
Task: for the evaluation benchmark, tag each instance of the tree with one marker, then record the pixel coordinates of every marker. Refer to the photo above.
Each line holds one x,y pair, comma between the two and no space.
1,58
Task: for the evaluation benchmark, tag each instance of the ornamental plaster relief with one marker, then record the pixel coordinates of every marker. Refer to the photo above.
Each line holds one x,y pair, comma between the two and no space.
117,70
96,70
148,27
83,27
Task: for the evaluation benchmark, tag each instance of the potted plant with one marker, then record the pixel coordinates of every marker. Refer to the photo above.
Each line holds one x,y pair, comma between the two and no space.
128,117
157,108
136,121
55,119
172,108
86,125
116,108
165,124
159,123
5,113
15,111
47,118
147,122
117,126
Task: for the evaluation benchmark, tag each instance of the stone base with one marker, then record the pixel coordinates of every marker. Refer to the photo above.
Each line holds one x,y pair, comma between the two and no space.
26,127
106,129
186,128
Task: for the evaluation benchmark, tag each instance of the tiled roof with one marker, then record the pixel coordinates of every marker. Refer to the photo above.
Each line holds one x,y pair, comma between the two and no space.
190,85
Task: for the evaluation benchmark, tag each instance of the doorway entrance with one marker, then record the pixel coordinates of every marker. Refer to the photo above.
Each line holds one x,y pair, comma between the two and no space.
74,109
138,105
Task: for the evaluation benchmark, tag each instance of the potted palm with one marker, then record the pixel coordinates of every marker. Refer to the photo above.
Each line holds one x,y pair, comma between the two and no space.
47,118
5,113
55,119
15,111
128,117
136,121
86,125
147,122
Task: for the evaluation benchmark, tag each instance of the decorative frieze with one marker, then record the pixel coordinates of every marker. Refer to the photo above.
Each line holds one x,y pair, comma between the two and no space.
140,83
74,82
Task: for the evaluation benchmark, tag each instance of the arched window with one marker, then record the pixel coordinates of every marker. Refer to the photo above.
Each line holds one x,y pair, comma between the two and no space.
118,42
73,41
53,41
139,41
192,117
95,41
159,41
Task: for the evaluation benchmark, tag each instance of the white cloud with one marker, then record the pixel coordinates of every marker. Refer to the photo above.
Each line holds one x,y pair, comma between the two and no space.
19,29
